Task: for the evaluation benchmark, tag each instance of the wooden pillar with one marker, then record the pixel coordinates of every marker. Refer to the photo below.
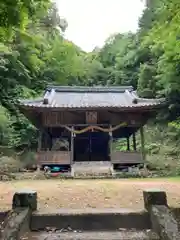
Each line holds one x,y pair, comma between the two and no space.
110,143
50,139
72,145
39,149
128,144
39,140
134,142
142,144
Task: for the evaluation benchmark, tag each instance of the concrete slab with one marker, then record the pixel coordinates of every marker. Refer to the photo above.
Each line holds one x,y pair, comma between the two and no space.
82,169
71,211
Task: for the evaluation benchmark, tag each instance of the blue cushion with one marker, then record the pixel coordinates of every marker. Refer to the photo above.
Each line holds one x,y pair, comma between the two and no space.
56,169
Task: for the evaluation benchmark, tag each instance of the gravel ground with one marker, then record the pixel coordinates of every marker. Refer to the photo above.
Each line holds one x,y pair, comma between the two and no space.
81,194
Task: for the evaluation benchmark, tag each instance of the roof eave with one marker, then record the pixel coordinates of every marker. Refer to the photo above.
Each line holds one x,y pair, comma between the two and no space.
123,108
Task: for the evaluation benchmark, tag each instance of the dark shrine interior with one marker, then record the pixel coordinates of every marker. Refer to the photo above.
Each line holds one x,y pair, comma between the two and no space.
91,146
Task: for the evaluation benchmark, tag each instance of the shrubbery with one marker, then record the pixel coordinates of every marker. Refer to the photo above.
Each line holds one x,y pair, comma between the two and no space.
10,165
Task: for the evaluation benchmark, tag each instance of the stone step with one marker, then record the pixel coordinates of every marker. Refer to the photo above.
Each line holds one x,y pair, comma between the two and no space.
91,219
118,235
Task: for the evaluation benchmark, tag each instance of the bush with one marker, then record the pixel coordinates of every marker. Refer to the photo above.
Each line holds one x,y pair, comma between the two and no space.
28,160
153,148
9,165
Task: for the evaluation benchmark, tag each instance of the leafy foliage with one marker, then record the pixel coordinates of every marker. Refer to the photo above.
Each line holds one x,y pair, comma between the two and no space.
34,53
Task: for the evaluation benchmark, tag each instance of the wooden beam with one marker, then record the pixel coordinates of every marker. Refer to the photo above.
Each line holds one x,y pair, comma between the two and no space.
79,114
34,117
115,113
142,144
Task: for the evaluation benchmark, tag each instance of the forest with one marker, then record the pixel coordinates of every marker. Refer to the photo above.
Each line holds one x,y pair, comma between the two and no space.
34,53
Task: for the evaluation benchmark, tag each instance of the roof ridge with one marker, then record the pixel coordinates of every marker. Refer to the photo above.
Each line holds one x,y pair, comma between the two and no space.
89,88
134,93
37,100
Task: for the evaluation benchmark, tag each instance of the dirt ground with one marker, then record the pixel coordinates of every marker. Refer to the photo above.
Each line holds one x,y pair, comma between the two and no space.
53,194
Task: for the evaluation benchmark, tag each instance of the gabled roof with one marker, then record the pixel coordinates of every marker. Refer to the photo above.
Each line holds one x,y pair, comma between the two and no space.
78,97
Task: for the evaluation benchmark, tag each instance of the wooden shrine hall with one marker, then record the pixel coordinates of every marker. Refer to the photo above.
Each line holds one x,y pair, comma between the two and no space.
83,124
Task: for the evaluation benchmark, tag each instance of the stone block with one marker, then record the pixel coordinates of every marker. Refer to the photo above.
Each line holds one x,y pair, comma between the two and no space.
164,223
25,199
15,224
154,197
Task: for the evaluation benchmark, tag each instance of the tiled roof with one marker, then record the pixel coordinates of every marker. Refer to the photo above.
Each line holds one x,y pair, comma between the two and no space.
90,97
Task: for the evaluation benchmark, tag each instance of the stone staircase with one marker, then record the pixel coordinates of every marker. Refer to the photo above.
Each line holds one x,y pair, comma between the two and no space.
157,222
91,224
90,169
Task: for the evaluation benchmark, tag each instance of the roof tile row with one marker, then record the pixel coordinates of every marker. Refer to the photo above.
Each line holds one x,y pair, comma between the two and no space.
92,97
